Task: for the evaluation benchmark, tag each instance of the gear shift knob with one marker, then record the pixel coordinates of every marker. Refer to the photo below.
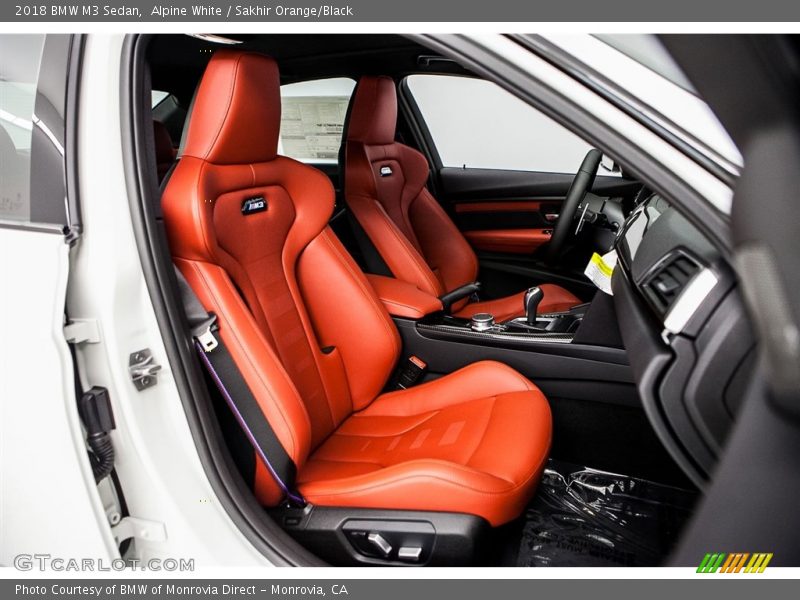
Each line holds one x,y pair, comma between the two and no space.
533,297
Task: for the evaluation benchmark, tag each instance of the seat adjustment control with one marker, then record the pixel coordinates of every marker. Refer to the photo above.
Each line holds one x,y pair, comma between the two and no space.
409,553
377,540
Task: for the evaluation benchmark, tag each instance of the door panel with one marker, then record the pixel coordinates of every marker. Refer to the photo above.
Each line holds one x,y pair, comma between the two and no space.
502,169
511,241
504,214
508,216
487,205
496,200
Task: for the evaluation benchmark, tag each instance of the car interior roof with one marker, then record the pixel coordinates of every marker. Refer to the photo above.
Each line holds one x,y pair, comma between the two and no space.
177,61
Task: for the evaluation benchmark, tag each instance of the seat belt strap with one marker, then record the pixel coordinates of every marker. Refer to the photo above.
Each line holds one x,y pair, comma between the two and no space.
237,394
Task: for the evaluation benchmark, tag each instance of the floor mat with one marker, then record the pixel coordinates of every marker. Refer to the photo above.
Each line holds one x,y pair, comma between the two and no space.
581,517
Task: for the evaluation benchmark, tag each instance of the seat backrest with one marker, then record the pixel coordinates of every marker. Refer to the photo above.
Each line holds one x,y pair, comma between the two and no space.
386,192
249,231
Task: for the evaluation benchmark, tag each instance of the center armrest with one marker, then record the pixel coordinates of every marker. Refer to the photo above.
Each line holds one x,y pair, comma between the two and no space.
403,299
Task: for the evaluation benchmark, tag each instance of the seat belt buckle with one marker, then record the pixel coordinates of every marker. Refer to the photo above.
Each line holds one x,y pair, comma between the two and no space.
411,372
204,333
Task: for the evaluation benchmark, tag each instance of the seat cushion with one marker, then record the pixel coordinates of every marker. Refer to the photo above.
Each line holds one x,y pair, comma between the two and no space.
474,441
556,299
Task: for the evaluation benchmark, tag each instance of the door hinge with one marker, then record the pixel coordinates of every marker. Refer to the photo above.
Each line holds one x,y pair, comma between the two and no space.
78,331
141,529
143,369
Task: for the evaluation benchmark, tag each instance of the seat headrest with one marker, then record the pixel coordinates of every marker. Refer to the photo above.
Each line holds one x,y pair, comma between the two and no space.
236,116
373,116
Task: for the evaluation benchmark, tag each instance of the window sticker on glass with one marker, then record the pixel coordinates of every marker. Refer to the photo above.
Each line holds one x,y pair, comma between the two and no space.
312,118
312,126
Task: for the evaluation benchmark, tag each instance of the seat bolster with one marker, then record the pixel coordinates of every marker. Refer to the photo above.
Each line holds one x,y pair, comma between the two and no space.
347,316
399,254
482,379
444,246
267,379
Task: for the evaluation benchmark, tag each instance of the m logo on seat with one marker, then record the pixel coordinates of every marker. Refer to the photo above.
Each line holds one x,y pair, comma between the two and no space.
386,171
254,205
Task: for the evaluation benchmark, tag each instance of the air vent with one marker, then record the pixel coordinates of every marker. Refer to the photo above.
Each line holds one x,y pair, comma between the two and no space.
666,282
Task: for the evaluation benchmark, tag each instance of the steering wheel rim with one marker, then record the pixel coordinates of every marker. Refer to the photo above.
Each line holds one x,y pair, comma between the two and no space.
581,184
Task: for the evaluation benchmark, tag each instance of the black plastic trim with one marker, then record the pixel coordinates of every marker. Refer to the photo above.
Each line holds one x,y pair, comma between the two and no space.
650,357
561,370
72,137
482,185
446,539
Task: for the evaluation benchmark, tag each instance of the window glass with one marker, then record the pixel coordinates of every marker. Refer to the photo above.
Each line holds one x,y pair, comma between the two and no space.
157,96
648,51
312,118
476,124
19,68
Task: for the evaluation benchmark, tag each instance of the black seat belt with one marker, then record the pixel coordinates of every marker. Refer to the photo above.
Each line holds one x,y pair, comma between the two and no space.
234,389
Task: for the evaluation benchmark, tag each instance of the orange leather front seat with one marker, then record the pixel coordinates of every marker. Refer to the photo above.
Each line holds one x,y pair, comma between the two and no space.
385,190
314,343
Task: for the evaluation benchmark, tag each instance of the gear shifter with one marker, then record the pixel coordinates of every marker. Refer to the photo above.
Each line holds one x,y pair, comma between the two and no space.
533,297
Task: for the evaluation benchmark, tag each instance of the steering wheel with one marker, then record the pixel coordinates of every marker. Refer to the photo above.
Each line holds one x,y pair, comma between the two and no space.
584,179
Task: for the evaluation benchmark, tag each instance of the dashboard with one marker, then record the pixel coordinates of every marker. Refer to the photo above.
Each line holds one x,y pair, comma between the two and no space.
688,338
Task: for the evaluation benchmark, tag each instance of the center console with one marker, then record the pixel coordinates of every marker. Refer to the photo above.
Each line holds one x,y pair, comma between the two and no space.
575,354
571,355
522,332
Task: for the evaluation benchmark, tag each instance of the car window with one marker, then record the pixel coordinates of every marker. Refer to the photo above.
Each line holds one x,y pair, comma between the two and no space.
654,87
649,52
34,73
157,97
19,68
312,118
476,124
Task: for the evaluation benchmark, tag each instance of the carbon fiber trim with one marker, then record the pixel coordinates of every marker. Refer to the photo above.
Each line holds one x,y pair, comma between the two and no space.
495,335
